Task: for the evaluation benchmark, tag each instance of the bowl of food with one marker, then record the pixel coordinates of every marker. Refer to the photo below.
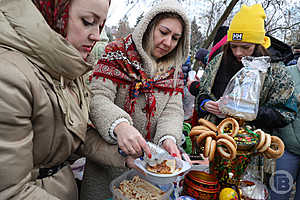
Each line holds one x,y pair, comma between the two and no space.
164,172
132,185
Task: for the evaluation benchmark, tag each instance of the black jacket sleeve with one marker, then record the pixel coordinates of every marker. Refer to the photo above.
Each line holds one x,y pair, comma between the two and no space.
268,118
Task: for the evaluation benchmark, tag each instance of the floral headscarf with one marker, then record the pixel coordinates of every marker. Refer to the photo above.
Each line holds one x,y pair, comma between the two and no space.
55,12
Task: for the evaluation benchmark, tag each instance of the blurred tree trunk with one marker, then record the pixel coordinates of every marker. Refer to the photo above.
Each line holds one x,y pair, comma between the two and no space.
222,19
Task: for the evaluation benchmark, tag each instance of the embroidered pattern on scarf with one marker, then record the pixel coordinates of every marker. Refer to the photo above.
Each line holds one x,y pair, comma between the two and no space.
121,64
55,12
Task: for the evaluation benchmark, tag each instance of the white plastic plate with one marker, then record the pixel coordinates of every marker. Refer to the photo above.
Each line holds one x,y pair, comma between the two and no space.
164,178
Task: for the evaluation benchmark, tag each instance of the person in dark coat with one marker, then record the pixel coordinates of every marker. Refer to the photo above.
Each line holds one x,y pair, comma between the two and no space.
280,51
186,68
201,59
296,55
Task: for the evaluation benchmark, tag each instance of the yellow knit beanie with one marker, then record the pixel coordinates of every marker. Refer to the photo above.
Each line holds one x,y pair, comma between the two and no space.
248,26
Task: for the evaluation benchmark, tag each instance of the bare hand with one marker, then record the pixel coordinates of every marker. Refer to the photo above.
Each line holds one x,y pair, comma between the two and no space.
170,146
130,140
212,107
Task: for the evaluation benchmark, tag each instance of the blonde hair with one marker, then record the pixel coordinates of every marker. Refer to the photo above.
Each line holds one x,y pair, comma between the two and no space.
175,57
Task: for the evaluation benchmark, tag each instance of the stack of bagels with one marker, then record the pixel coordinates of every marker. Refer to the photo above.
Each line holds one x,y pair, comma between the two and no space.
209,138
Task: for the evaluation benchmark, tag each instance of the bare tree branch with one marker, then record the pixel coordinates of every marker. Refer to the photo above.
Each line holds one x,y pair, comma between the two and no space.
222,19
283,28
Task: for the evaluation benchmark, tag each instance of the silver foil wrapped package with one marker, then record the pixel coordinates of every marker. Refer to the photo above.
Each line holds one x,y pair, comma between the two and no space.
241,96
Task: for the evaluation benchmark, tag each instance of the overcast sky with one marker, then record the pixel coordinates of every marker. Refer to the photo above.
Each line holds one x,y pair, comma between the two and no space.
118,9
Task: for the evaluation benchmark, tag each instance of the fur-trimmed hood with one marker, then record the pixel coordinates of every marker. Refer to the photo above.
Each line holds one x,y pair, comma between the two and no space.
171,6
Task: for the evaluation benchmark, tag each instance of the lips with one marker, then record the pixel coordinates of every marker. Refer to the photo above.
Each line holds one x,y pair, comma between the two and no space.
163,50
239,58
87,48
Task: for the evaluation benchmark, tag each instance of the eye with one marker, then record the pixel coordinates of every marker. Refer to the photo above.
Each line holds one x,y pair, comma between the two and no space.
86,23
163,32
175,38
246,47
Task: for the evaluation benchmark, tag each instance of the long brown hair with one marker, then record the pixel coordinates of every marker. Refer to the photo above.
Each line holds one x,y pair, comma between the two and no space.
229,58
174,56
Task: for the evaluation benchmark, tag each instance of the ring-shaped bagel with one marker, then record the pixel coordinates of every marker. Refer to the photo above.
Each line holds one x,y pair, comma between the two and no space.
201,127
227,137
197,132
266,144
212,151
229,121
208,124
276,153
229,146
262,138
207,146
204,135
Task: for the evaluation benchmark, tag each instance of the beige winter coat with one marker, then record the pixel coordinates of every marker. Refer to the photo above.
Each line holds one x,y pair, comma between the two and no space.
108,98
43,106
108,102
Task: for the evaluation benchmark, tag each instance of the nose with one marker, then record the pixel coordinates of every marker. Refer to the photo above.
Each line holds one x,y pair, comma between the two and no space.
167,41
95,34
238,51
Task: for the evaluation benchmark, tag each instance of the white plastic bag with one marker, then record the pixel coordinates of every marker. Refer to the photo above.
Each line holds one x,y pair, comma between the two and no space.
241,96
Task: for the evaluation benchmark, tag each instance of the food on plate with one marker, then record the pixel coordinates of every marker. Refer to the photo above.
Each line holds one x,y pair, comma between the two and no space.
228,126
165,167
139,189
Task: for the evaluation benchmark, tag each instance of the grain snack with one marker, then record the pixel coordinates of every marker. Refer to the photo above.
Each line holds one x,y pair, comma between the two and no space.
166,167
139,189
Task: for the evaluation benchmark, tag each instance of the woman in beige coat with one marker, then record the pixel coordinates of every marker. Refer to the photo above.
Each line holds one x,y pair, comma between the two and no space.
137,88
44,109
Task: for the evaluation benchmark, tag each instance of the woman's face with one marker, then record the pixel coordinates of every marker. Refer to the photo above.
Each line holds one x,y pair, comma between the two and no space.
86,19
166,35
241,49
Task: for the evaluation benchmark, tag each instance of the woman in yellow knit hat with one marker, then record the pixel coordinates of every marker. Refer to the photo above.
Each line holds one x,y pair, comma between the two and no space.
245,37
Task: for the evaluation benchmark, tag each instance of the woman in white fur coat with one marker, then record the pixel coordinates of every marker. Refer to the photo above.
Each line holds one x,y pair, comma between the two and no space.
137,87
